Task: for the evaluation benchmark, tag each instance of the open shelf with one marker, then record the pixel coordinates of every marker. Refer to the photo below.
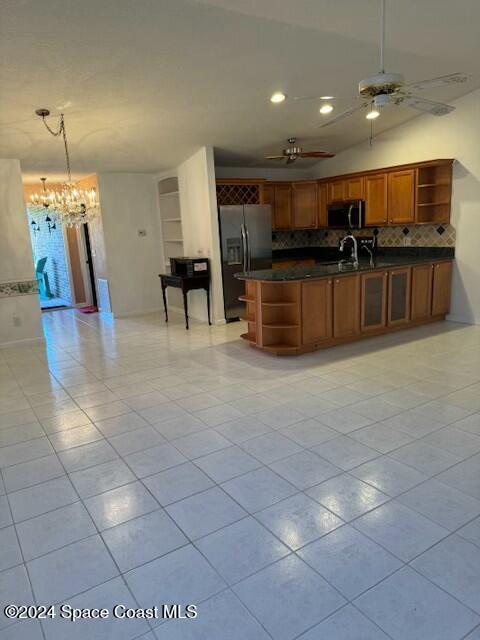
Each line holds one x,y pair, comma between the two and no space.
246,299
440,183
250,319
248,337
433,194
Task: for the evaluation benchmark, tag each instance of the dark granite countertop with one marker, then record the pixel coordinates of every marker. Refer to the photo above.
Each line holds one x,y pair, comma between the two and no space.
326,269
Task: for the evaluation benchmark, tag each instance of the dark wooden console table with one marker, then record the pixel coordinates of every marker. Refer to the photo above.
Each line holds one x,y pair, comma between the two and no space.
186,284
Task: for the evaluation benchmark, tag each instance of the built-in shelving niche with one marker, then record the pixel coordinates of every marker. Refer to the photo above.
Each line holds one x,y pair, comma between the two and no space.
280,315
433,195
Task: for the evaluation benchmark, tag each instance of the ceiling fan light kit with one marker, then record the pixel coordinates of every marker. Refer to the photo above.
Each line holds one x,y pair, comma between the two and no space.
291,153
389,88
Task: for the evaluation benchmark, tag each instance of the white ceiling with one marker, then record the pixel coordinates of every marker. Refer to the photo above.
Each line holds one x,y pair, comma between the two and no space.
144,83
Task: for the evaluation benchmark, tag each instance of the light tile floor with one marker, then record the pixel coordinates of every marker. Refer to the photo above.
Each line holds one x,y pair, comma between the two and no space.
335,495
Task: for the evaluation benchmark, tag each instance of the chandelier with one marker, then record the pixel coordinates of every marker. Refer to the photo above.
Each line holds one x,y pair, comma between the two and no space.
40,203
73,206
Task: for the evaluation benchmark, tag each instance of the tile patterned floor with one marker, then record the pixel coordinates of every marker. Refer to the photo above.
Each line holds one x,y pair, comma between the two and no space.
335,495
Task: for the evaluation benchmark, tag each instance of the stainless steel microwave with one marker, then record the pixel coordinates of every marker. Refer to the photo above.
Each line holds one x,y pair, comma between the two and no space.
346,215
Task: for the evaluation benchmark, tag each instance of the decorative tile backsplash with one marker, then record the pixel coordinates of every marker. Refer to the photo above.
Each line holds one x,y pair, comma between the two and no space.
22,288
434,235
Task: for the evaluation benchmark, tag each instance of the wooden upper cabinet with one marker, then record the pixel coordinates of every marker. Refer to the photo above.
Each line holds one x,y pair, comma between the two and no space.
267,194
282,210
401,197
336,191
422,279
353,189
442,283
322,210
376,199
305,202
317,311
346,306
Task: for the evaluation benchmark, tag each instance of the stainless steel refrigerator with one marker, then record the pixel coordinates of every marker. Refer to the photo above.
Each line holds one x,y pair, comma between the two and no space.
246,244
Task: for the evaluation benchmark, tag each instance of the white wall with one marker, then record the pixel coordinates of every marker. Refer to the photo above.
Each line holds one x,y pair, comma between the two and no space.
16,261
426,138
198,204
270,173
129,203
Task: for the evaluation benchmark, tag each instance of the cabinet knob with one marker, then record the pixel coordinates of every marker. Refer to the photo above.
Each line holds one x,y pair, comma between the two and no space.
329,282
337,281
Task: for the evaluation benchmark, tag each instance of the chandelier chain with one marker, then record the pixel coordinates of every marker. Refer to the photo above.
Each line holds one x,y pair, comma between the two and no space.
61,131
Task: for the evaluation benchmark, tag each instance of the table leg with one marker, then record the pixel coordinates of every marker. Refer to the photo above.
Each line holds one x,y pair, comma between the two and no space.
165,302
208,304
185,306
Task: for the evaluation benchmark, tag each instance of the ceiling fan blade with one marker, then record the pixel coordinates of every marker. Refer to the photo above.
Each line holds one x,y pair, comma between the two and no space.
346,113
274,157
316,154
441,81
428,106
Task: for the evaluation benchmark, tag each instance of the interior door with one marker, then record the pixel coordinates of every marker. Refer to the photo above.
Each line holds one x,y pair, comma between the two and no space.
258,227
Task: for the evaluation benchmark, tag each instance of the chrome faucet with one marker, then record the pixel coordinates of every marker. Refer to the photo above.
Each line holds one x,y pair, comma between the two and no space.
354,255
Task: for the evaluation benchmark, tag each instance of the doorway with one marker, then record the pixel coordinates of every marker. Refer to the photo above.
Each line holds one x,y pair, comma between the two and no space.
89,263
51,261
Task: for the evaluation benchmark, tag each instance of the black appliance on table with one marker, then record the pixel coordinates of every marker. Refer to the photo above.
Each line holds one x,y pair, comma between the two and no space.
186,274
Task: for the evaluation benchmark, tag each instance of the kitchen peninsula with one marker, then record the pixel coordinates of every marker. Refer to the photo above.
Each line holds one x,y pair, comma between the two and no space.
300,309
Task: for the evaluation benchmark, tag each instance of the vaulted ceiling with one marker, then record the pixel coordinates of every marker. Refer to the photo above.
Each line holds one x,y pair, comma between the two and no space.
143,83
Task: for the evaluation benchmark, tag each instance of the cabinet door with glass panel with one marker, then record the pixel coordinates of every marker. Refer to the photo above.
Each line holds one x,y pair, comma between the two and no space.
374,301
399,296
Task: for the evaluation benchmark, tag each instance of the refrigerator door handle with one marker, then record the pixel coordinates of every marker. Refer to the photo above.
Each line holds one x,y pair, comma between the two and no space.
244,247
249,256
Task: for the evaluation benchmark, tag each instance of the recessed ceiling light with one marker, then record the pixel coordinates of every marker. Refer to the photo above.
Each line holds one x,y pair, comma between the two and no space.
278,97
371,115
326,108
326,97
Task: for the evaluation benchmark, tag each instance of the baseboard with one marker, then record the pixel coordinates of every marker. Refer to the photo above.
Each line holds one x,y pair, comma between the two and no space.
462,319
25,342
138,312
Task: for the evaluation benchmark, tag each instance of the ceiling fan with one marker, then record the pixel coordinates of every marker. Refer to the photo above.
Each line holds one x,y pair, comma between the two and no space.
293,152
386,88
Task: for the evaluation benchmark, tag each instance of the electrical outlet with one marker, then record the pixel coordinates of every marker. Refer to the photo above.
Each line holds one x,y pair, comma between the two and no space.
407,242
17,321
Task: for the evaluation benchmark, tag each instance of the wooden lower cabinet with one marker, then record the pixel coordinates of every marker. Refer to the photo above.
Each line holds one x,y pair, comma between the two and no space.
373,312
421,297
317,324
442,287
346,305
399,296
288,317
